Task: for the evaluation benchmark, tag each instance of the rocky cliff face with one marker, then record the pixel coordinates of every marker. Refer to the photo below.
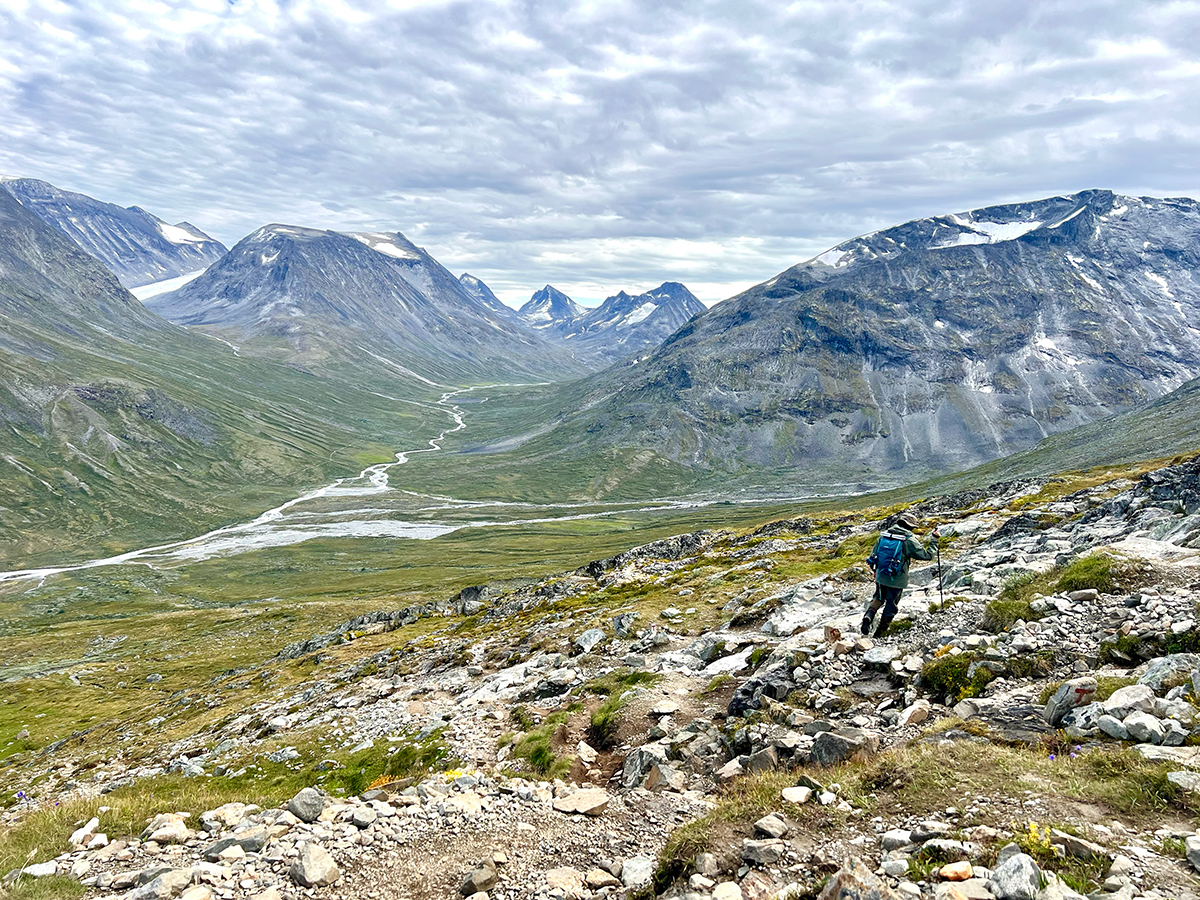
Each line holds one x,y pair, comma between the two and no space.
326,295
550,310
931,346
484,295
136,246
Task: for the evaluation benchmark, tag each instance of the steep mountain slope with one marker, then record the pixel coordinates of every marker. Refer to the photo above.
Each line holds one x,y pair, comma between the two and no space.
550,310
623,324
327,300
139,248
928,347
484,295
121,429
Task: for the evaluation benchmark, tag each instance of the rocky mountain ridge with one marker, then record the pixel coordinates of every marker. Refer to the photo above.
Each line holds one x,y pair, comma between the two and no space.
783,753
326,297
135,245
928,347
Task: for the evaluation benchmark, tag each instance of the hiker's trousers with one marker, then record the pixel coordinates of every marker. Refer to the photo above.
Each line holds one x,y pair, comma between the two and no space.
888,598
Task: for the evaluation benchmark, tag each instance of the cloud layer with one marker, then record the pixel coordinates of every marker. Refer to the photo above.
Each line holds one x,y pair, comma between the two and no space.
597,145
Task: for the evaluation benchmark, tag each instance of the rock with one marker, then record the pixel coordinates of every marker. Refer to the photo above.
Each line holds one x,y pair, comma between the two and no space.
1070,694
307,805
314,867
586,753
708,864
663,777
1017,878
197,892
1189,781
896,839
758,885
1083,721
727,890
881,657
251,840
81,836
1144,728
364,817
639,762
854,881
1076,846
831,748
763,853
915,714
587,802
285,754
764,760
1176,667
1129,699
772,826
163,886
35,870
729,771
589,640
1192,845
1087,595
598,878
956,871
636,871
1121,866
1113,727
482,879
798,795
567,880
665,708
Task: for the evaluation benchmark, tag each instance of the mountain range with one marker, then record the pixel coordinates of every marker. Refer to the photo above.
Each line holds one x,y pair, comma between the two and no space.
137,246
120,427
932,346
621,325
325,299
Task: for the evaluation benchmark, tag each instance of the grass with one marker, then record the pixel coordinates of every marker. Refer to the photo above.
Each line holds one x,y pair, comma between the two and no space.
605,723
1096,571
949,676
535,745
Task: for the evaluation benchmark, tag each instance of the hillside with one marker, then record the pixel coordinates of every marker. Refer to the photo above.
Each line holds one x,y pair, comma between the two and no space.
124,430
925,348
135,245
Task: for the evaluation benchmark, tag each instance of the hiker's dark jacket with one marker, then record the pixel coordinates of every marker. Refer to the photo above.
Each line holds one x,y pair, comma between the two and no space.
913,549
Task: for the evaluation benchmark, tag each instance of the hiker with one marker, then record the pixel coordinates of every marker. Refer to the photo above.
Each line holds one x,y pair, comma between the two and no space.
889,560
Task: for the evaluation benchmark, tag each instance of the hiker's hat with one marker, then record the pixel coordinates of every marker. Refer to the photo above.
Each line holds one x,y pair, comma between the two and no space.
904,521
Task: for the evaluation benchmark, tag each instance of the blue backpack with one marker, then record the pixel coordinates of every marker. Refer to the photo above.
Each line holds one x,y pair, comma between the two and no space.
888,557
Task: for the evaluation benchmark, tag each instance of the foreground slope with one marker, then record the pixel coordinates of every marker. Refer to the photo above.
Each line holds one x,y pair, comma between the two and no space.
928,347
122,429
325,300
136,246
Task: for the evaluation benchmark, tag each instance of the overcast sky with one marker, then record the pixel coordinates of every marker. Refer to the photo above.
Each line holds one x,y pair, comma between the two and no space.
598,145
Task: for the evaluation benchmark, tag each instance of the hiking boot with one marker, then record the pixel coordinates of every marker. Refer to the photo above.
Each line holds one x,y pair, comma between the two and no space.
866,625
883,626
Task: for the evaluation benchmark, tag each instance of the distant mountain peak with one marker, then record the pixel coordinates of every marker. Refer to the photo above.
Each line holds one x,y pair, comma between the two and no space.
550,308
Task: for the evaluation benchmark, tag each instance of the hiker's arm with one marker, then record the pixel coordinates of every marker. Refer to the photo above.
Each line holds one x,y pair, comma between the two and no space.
917,550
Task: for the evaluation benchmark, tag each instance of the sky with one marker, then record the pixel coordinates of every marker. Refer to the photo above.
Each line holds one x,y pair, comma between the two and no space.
598,146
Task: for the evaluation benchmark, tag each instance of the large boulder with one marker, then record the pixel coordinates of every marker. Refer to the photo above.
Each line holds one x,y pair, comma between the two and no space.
314,867
854,881
482,879
1144,728
586,801
1070,694
1017,878
833,747
1130,699
167,828
307,805
640,761
1176,667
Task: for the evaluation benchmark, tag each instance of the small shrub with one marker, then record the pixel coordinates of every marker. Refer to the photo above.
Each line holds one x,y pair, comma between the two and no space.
951,677
757,657
1032,665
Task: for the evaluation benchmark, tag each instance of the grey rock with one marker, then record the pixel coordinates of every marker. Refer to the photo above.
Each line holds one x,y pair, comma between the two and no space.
1113,727
1175,667
831,748
763,853
640,761
307,805
1189,781
1076,846
314,867
636,871
896,839
1071,694
589,640
162,887
1144,728
1130,699
771,826
1192,846
854,881
1017,878
482,879
251,840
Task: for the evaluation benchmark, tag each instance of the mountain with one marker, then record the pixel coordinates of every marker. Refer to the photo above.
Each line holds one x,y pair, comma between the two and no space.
136,246
327,299
550,310
121,429
482,293
623,324
929,347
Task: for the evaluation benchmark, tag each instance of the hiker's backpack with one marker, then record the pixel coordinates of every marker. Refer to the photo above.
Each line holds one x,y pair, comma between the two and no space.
888,558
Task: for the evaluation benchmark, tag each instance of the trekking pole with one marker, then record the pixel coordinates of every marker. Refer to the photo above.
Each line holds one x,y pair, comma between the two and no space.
937,546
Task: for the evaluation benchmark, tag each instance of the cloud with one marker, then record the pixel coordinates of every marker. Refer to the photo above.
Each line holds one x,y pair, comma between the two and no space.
597,146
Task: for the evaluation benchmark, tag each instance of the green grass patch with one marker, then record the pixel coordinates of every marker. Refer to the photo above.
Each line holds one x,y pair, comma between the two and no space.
536,747
1095,571
605,723
950,676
